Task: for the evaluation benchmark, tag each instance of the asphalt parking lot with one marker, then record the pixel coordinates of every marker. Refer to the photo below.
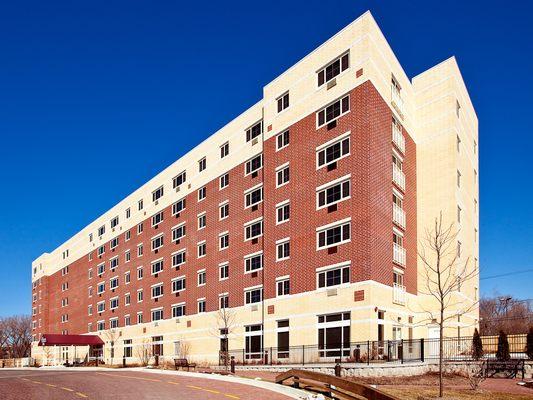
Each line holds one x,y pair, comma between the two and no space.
119,384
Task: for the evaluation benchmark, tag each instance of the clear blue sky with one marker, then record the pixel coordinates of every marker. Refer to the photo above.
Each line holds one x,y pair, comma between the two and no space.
97,97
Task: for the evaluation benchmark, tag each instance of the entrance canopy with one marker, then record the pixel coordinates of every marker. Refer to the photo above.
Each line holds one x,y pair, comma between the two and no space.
49,339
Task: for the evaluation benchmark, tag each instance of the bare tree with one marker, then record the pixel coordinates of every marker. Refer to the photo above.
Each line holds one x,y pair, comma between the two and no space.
443,273
111,336
224,326
15,336
144,351
503,313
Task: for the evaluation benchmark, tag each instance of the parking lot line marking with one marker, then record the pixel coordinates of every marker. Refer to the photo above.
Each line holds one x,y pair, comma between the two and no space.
211,391
81,395
67,389
194,387
232,396
174,383
51,385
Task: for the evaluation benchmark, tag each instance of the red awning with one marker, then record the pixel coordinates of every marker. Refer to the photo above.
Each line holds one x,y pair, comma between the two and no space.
49,339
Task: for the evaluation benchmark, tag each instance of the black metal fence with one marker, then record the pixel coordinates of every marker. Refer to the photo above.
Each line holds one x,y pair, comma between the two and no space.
387,351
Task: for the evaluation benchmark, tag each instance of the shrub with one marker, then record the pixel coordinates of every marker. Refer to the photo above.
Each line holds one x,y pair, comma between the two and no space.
503,347
529,343
477,346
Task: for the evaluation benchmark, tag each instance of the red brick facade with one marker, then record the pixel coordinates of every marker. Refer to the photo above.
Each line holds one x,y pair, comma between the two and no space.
369,207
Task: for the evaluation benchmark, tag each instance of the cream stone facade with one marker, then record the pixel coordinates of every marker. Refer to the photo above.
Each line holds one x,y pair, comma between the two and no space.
434,108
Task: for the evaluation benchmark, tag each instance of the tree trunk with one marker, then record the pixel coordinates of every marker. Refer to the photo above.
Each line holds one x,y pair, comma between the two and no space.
441,336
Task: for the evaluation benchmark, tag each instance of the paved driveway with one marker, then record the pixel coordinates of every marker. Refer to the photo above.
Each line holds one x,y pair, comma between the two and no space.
119,384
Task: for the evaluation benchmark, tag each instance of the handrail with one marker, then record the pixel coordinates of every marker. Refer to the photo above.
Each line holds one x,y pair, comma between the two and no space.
349,389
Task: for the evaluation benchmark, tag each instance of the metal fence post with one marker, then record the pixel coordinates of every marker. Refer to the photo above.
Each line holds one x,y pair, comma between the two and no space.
401,351
422,349
243,359
368,352
271,355
303,354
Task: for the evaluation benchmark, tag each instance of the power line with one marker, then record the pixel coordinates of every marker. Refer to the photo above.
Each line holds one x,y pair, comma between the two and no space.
524,271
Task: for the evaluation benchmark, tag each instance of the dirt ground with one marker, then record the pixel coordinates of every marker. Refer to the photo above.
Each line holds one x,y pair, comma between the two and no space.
425,387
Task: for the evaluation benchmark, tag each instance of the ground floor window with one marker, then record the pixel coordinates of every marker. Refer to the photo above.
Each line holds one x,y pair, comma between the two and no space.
283,338
127,348
253,341
157,345
334,335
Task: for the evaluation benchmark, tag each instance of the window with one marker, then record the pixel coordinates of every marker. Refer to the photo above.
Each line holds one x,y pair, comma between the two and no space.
224,240
253,230
64,286
113,283
282,140
101,230
140,204
253,295
90,310
113,263
224,181
157,266
254,131
283,287
458,144
127,236
458,179
127,299
223,300
127,343
140,295
113,303
202,164
253,262
157,314
283,102
224,150
101,269
178,284
178,310
178,232
333,235
201,306
127,256
201,193
90,237
201,221
201,248
283,249
157,218
223,271
282,175
178,259
100,288
100,325
140,273
114,222
333,111
224,210
283,212
201,277
457,108
100,306
178,206
128,213
334,335
113,323
140,228
157,291
333,193
332,152
253,165
333,69
397,278
157,242
90,291
157,194
253,197
140,317
459,214
333,276
140,250
179,179
127,350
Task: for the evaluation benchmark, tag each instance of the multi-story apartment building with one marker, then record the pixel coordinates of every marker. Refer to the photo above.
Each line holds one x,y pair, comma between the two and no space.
303,216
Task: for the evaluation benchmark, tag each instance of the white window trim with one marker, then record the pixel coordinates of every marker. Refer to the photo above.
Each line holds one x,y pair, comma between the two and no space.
178,278
333,141
279,205
340,98
247,224
331,184
330,268
280,242
279,168
329,226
